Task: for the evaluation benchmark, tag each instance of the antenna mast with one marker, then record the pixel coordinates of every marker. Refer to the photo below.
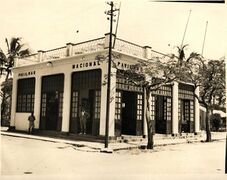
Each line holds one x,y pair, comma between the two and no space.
204,37
186,28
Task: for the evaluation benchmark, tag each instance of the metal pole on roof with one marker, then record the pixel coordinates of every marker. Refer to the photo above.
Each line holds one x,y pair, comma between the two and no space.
204,38
226,130
186,28
226,154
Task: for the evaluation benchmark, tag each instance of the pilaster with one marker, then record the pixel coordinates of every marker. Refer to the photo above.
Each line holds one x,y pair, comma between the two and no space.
175,108
66,103
40,55
147,52
14,101
37,101
197,119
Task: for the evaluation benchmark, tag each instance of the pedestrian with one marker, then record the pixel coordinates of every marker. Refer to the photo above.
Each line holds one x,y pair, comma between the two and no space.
83,121
31,120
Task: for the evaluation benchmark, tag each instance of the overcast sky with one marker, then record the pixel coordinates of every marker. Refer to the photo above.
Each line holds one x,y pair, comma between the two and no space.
48,24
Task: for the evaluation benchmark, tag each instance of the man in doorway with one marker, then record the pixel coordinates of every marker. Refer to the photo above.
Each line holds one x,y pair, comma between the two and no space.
31,120
83,120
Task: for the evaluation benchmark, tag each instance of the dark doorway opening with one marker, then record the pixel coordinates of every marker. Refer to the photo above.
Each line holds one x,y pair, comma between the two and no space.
52,102
185,116
160,115
129,113
52,111
86,96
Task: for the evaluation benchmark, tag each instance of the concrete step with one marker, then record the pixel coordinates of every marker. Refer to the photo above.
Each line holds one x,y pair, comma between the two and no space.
129,138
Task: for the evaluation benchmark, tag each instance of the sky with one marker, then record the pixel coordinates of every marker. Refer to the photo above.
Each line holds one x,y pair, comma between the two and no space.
48,24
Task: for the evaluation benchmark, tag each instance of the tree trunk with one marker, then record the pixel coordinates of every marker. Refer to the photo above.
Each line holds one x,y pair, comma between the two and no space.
150,142
3,103
208,132
150,139
3,107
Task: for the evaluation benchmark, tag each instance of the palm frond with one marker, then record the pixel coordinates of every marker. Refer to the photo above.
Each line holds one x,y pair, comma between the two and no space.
13,44
2,56
193,55
24,52
7,43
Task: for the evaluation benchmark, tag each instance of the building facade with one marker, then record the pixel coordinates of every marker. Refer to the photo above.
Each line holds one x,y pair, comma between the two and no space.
58,84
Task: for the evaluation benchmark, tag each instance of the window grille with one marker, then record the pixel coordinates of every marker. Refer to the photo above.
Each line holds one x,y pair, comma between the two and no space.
75,100
60,110
118,106
186,91
168,109
163,91
139,107
87,80
97,104
191,110
25,95
152,106
44,102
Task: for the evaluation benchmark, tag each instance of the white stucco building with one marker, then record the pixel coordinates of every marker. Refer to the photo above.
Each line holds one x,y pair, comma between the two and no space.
56,84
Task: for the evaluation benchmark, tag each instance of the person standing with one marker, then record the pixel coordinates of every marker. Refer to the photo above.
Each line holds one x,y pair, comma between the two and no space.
83,121
31,120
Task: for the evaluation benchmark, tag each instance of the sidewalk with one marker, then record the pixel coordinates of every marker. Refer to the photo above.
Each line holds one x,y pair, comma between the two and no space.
116,146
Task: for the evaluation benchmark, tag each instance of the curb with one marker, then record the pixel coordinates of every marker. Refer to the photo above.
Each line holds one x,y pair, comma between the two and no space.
49,140
100,149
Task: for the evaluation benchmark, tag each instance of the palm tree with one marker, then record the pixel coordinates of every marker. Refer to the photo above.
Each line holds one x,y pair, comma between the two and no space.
2,61
15,49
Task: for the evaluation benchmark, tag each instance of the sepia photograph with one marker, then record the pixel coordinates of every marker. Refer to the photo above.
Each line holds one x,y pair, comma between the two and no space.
125,89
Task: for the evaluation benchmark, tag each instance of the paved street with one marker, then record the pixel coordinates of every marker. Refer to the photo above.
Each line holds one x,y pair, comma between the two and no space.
28,157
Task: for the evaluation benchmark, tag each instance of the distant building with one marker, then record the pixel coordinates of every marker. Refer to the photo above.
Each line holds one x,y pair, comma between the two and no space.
57,84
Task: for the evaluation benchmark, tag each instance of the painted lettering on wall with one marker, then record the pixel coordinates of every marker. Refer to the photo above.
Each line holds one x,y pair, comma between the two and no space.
124,66
29,73
86,64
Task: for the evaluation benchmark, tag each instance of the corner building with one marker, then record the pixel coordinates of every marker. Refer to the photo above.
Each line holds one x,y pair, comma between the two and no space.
55,84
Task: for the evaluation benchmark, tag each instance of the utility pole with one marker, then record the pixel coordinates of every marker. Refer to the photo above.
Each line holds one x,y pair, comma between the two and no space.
111,14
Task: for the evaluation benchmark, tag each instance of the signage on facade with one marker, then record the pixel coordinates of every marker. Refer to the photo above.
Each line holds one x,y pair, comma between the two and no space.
85,64
124,66
24,74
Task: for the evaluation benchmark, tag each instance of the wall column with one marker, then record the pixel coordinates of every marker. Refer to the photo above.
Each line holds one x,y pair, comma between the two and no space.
37,101
144,114
175,109
147,52
14,101
112,102
197,119
66,103
40,55
102,125
69,49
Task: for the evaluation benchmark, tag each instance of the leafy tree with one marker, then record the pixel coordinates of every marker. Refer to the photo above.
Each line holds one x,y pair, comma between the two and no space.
208,76
6,89
151,75
216,121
